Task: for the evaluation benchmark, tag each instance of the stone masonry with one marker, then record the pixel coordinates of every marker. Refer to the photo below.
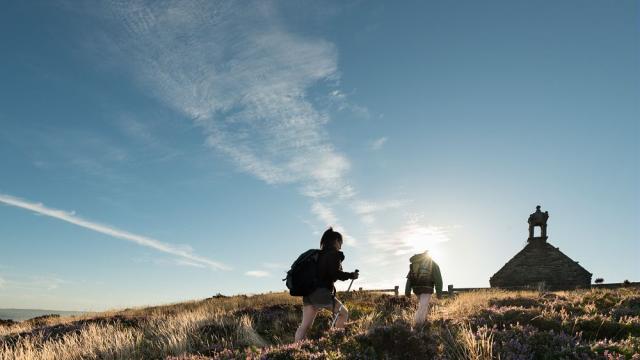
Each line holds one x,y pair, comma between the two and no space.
541,263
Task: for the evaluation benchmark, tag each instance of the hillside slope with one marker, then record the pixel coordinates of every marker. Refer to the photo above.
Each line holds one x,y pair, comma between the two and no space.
594,324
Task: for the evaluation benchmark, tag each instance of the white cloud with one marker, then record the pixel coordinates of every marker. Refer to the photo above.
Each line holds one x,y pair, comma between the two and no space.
368,219
169,262
44,282
368,209
257,273
189,263
243,79
337,94
145,134
180,251
413,237
324,214
47,282
339,101
378,143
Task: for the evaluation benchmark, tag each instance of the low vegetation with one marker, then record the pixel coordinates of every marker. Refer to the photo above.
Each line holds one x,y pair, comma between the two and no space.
587,324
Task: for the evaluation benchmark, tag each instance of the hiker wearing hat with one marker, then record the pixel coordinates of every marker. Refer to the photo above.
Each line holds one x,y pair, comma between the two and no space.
329,270
424,275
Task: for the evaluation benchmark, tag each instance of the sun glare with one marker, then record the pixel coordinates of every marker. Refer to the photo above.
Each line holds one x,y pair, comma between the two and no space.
417,238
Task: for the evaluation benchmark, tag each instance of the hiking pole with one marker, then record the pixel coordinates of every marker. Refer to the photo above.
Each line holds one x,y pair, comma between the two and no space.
335,317
351,283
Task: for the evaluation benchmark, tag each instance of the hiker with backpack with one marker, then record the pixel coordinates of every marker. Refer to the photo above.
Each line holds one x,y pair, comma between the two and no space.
313,276
424,275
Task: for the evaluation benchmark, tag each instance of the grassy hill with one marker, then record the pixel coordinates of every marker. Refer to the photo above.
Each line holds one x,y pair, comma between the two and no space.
588,324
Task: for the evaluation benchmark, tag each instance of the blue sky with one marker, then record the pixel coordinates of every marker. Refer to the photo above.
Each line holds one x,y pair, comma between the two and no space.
157,152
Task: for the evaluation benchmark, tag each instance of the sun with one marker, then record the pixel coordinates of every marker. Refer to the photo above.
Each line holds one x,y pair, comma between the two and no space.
417,238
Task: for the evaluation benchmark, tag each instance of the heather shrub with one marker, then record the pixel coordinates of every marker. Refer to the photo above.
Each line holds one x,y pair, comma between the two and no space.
303,350
500,317
395,341
629,306
520,301
596,327
568,307
275,323
599,301
492,324
390,308
628,348
527,342
549,296
464,343
389,304
321,325
358,311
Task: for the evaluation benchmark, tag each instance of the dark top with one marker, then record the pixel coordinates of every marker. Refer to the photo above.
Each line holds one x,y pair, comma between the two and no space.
330,268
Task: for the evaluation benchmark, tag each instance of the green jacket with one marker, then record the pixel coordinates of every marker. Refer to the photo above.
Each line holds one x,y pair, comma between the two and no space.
430,278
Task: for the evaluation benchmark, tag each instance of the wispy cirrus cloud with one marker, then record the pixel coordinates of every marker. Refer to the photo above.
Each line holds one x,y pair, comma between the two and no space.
235,70
377,144
47,282
144,134
368,209
326,215
245,81
257,273
42,282
185,253
169,262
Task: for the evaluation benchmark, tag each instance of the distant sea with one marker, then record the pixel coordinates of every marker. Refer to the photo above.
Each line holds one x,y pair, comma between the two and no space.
25,314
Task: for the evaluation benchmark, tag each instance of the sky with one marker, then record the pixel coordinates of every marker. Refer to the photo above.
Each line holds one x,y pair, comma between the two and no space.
154,152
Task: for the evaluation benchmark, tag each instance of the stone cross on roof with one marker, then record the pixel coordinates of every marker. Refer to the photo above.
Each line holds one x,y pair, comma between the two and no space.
538,218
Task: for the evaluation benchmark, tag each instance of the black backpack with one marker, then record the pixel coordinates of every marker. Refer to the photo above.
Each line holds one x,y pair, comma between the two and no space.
302,279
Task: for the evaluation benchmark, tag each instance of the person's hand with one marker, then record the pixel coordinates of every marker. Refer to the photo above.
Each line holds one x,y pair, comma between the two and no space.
355,275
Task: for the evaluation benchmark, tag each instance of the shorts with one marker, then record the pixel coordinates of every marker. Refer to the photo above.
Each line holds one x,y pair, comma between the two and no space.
320,298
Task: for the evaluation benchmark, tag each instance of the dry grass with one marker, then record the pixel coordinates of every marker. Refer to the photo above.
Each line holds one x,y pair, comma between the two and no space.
153,332
92,342
468,303
476,326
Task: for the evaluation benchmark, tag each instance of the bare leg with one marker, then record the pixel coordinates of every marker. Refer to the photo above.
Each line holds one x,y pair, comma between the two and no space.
308,315
423,309
344,315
